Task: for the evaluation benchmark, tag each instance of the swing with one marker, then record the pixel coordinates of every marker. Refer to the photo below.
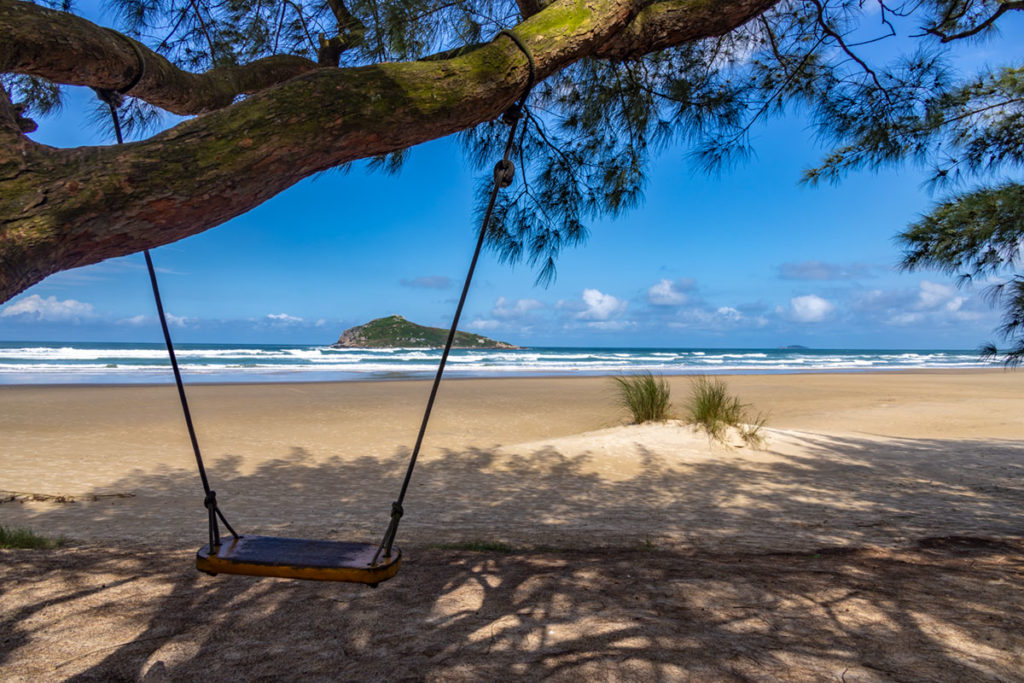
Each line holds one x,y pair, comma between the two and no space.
293,558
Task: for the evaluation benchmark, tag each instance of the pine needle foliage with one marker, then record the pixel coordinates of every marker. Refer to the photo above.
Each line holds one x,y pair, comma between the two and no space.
978,237
967,132
13,538
592,129
645,396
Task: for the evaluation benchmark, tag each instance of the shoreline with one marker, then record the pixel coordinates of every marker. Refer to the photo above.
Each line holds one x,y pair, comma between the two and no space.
147,364
456,376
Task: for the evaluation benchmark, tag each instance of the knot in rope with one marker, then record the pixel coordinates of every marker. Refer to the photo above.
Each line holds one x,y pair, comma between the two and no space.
210,502
504,173
513,113
110,97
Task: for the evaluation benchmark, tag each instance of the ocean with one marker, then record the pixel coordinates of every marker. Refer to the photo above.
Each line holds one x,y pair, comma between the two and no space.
114,363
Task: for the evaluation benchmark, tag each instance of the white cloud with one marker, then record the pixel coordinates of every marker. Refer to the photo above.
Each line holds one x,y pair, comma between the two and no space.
483,324
612,325
283,319
933,295
177,320
35,307
144,320
933,304
600,306
810,308
718,319
876,300
669,293
906,319
505,309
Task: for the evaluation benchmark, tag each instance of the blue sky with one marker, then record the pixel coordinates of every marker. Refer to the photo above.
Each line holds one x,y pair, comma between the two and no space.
747,259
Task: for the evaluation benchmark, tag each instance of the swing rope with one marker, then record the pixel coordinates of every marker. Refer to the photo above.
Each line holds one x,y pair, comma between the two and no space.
114,99
504,174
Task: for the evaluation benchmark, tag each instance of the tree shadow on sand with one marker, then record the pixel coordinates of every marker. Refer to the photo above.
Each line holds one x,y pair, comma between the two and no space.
830,491
925,614
833,562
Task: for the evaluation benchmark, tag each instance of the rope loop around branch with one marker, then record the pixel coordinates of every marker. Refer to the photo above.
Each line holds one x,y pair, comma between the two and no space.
109,97
515,111
114,98
108,94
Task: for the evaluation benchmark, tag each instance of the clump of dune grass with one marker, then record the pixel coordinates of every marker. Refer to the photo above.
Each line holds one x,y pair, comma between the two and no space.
645,396
750,429
715,410
26,539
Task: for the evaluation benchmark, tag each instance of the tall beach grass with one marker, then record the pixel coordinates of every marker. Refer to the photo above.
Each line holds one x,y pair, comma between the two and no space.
645,396
714,409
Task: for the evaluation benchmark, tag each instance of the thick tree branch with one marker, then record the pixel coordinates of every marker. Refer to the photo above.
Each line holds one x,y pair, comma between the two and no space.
349,26
13,123
351,32
71,50
62,208
68,49
527,8
10,129
674,22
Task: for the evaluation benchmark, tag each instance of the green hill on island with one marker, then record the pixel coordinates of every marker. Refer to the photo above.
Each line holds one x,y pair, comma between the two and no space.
396,331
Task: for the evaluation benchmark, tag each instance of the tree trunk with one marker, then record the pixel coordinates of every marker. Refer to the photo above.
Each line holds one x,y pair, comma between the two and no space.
63,208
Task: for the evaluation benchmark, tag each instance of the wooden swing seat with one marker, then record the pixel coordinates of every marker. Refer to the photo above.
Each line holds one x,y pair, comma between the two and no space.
295,558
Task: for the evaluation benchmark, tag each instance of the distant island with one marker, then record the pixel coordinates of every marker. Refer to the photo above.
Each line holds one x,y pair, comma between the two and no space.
395,331
794,347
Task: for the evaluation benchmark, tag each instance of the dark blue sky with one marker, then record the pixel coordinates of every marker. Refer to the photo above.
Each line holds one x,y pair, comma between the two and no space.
747,259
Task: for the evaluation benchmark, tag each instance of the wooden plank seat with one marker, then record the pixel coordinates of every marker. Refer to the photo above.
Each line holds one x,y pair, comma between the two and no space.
295,558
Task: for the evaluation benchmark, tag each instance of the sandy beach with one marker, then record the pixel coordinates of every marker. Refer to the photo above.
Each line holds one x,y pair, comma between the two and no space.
845,548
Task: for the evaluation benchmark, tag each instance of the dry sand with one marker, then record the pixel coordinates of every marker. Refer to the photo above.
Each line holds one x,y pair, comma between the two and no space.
876,536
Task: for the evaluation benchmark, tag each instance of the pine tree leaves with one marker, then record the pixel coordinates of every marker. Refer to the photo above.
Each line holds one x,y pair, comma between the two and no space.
978,237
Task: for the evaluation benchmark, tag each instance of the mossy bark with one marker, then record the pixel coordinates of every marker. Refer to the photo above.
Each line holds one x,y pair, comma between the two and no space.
68,49
63,208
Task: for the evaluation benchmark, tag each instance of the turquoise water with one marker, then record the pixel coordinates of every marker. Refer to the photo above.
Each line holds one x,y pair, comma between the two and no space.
113,363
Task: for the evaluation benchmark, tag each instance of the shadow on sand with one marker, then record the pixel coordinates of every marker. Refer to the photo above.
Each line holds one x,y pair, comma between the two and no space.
834,563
